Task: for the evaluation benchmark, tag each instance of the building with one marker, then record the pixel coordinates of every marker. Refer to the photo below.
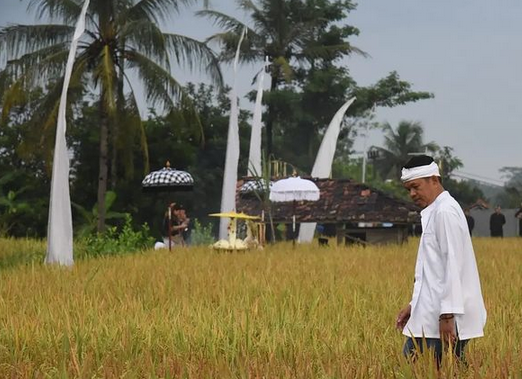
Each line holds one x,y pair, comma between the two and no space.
348,210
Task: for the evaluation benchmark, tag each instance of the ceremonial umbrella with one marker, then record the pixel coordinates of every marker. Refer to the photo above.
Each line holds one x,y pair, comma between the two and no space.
252,186
294,189
232,243
168,180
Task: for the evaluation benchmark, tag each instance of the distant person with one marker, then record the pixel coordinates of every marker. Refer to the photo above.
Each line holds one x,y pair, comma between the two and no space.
470,220
496,223
177,225
519,216
446,308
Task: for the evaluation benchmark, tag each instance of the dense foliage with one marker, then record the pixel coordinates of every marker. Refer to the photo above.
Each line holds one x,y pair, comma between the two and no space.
189,128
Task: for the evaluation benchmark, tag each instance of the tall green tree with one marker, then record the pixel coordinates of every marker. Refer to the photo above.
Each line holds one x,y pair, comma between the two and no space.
448,162
465,192
399,145
512,195
24,185
291,33
122,36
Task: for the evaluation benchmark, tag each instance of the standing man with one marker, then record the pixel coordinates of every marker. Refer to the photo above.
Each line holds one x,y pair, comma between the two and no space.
470,220
519,216
447,305
496,223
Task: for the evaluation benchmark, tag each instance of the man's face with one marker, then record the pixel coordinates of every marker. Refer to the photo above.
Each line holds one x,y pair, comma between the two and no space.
423,191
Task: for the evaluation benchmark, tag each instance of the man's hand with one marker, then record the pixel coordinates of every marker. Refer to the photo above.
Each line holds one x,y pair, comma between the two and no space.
403,317
448,331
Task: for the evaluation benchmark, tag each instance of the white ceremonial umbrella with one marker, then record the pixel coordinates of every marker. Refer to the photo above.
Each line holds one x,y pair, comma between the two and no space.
294,189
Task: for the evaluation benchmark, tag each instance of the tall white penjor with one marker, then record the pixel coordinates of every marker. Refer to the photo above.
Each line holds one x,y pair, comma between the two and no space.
228,194
323,162
254,158
59,228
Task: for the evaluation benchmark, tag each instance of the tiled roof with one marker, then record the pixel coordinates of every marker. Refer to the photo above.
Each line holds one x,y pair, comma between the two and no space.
342,200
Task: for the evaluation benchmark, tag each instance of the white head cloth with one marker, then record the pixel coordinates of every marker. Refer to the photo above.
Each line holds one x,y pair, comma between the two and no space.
420,172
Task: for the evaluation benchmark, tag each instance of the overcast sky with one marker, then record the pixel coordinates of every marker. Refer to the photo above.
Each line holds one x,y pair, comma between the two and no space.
468,53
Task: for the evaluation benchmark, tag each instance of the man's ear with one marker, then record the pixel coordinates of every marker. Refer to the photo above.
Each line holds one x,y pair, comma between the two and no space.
434,179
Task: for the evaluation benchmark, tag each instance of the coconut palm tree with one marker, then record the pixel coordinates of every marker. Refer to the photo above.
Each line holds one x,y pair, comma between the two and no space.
288,32
400,144
121,36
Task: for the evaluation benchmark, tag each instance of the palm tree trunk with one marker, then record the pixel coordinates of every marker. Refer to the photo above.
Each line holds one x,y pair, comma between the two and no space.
120,107
103,166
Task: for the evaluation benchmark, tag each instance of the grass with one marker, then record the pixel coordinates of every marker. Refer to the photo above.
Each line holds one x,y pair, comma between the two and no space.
278,313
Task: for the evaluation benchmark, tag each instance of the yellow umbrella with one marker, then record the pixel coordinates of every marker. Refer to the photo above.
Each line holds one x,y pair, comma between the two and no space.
232,242
235,215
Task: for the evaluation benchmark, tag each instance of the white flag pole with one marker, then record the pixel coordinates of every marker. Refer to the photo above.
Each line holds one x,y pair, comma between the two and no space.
254,159
323,162
228,195
59,228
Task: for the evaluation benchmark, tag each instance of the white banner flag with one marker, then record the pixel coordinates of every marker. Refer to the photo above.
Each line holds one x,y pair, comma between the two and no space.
323,162
228,194
254,159
59,228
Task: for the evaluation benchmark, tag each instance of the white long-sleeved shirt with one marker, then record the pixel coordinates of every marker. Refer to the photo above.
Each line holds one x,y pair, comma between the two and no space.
446,274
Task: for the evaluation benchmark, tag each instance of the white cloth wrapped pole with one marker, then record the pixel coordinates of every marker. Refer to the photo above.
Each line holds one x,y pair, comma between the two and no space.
228,194
323,162
59,227
254,159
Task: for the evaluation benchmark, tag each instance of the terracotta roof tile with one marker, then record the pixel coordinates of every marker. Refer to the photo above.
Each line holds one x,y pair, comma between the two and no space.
342,200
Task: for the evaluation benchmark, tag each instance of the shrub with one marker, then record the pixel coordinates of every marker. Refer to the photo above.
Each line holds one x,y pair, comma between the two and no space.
201,234
114,242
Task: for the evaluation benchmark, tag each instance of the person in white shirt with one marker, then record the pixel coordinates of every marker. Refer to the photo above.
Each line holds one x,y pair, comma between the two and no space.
446,308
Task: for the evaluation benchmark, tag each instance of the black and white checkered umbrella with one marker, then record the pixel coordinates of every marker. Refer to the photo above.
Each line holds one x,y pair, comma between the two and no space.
254,186
168,179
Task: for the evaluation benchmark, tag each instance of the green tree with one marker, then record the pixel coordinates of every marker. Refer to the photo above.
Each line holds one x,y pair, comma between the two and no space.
466,193
121,36
89,219
399,145
511,197
447,162
289,33
24,185
205,162
304,112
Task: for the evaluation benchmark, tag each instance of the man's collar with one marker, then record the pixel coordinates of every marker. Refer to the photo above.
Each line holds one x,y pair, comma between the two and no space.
443,195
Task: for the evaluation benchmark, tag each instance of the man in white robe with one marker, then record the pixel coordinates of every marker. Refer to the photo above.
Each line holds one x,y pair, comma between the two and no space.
446,308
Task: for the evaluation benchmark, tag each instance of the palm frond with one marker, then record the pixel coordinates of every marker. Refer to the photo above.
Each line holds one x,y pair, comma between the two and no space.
284,67
42,126
146,37
66,10
223,21
187,50
39,67
130,133
159,84
230,40
329,51
133,104
14,95
248,6
22,39
156,10
105,76
23,75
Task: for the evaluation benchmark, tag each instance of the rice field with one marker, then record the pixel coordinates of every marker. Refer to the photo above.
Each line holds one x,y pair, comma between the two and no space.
308,312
